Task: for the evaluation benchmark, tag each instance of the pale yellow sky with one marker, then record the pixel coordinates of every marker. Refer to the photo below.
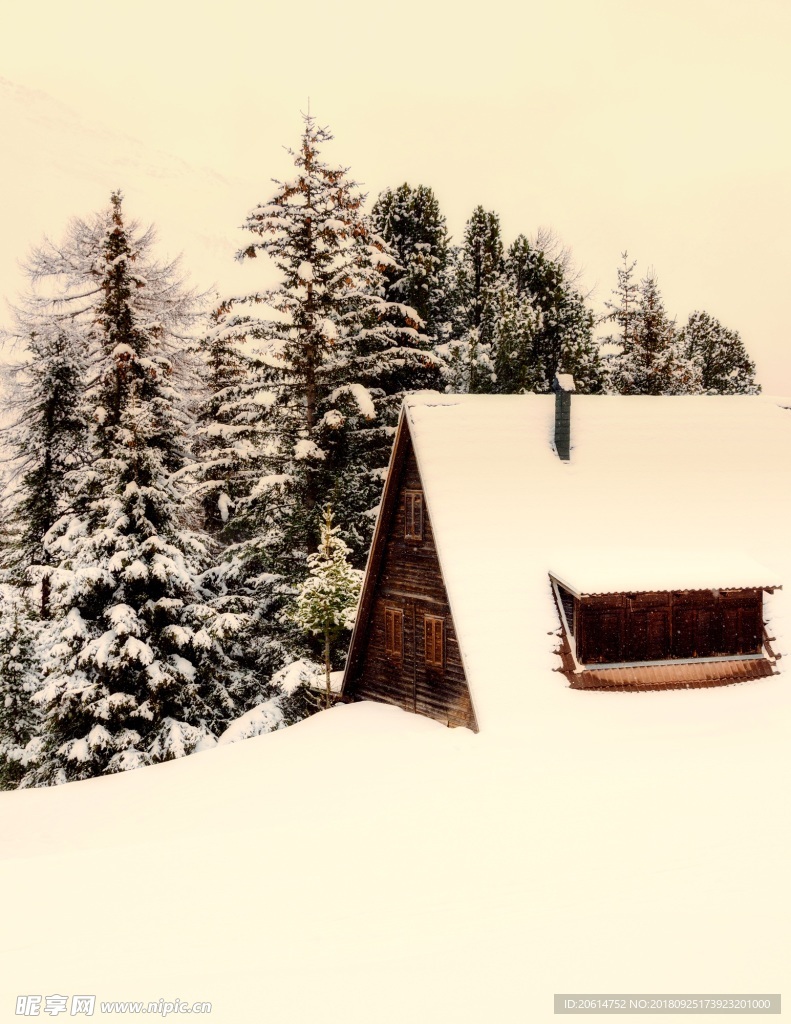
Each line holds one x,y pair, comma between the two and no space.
658,128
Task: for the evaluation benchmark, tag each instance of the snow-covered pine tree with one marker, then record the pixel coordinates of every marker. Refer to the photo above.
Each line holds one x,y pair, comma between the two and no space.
327,598
541,277
516,324
19,718
227,444
479,266
622,308
719,355
47,437
409,220
651,362
136,669
227,425
331,358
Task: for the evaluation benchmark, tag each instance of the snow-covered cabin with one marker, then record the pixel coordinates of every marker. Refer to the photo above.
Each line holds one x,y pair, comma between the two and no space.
638,556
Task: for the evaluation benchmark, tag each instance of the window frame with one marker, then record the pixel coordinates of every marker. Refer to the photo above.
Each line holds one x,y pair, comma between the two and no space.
413,498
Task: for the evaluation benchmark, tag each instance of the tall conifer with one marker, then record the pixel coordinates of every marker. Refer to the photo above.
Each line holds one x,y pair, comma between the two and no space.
409,220
561,323
136,668
622,308
479,266
647,358
330,357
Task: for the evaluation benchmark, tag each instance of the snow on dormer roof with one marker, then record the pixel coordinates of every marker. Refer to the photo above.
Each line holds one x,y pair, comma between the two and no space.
620,569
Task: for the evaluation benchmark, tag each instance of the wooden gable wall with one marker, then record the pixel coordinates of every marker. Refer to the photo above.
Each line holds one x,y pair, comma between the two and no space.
404,575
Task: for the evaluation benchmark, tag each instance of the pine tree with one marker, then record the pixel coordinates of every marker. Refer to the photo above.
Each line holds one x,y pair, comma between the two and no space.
19,720
561,325
622,311
327,598
226,431
327,371
479,265
576,352
719,355
47,436
410,221
310,419
649,359
516,324
135,660
230,445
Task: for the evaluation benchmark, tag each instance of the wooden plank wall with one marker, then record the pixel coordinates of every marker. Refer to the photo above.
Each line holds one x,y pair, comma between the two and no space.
410,578
657,626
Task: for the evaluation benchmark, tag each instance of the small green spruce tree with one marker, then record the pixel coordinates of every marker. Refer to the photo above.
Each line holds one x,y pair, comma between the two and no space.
327,598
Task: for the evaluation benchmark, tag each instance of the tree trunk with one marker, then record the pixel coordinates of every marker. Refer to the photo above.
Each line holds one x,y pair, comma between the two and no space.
327,668
46,588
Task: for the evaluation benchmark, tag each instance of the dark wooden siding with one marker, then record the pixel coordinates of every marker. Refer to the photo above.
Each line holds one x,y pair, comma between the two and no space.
616,628
409,577
568,601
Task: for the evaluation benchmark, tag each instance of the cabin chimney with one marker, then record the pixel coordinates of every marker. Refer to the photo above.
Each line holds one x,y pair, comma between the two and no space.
563,386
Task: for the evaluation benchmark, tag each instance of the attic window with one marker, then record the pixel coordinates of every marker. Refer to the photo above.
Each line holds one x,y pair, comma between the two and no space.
435,641
394,633
413,515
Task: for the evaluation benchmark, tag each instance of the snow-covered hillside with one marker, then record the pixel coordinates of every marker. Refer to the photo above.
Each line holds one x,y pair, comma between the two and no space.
59,165
370,866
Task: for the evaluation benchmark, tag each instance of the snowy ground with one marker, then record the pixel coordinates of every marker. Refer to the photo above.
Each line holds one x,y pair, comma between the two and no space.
371,866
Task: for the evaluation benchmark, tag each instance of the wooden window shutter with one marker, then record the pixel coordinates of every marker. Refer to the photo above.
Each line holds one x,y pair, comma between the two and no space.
434,641
394,633
413,515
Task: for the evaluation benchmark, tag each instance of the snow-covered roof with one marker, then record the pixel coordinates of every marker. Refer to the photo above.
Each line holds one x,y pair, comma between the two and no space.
614,569
659,494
